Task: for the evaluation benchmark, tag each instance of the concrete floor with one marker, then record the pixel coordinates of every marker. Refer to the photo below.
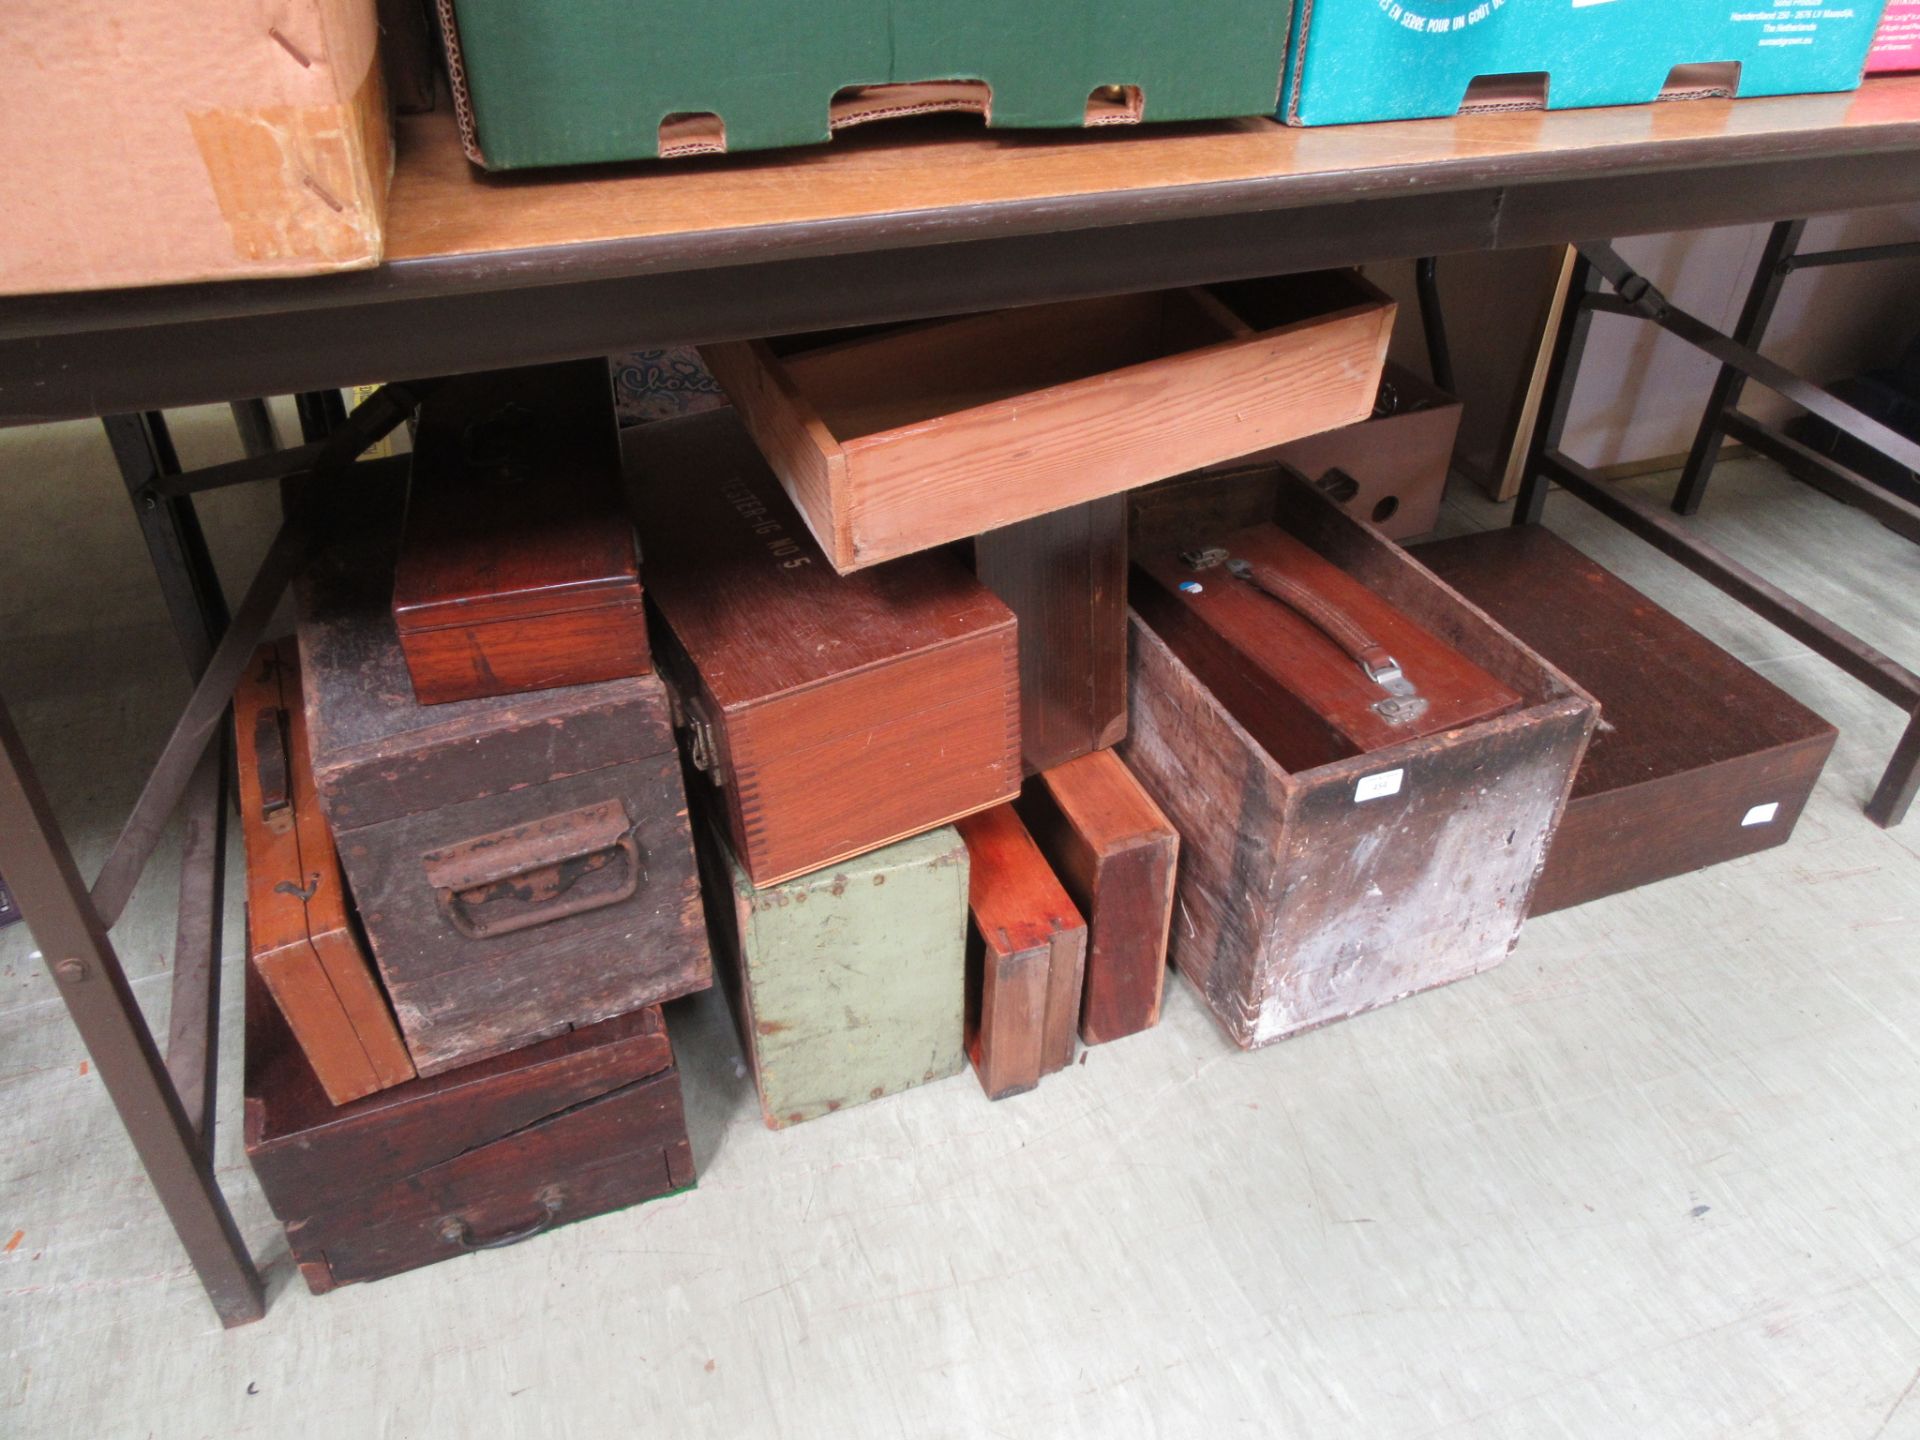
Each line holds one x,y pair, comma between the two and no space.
1656,1176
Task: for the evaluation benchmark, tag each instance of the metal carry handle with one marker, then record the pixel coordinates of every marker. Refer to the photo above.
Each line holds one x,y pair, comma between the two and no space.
1338,626
456,1232
513,880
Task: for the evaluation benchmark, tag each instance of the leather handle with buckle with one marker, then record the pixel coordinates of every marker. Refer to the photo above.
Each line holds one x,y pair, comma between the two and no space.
1338,626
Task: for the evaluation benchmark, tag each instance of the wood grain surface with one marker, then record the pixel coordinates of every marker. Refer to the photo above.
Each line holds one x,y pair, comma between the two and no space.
845,712
517,567
404,783
300,934
1304,700
932,179
1032,941
1693,746
1064,576
1307,897
1116,853
945,430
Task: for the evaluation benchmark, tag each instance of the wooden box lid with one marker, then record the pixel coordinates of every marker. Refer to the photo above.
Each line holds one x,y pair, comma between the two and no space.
1316,665
514,509
748,593
379,754
1671,701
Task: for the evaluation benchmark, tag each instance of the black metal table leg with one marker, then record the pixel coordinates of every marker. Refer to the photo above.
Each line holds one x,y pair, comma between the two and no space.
1755,316
171,527
87,972
1563,374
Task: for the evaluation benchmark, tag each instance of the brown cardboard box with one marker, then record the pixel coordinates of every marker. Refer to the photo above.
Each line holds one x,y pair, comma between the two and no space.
186,140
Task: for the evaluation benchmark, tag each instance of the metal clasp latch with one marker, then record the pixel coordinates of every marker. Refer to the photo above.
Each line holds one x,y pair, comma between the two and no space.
1208,557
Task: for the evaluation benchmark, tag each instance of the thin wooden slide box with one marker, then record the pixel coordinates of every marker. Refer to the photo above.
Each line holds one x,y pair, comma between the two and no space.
1698,758
847,984
518,569
1115,853
835,713
300,930
522,864
915,436
584,1123
1307,897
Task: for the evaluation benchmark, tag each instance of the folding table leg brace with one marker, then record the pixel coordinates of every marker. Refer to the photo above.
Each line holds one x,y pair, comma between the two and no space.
167,1104
1547,464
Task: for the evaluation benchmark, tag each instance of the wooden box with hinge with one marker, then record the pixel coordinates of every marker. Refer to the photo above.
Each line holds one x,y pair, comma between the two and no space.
522,864
1698,758
895,441
483,1157
1363,812
301,933
836,714
518,569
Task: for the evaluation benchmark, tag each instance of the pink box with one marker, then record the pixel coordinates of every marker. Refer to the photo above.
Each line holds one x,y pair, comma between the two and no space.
1897,47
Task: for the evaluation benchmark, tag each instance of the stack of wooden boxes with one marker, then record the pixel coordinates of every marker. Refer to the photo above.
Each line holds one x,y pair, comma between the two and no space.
951,798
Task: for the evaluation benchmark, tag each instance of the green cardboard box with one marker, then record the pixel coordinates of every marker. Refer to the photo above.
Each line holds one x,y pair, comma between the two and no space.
567,82
1406,59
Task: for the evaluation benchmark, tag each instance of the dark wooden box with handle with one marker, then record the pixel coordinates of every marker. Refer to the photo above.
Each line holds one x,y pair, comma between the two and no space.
487,1156
1400,847
521,864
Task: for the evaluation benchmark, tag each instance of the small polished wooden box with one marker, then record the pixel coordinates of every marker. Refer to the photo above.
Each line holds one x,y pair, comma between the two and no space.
894,441
518,569
484,1157
1698,758
1309,895
836,713
301,933
522,864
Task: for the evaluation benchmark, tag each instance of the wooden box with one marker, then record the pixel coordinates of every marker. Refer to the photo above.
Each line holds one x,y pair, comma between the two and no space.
837,714
847,984
896,441
495,1153
1698,758
1116,853
521,864
1394,462
300,930
1026,959
1308,896
1064,576
1314,663
517,567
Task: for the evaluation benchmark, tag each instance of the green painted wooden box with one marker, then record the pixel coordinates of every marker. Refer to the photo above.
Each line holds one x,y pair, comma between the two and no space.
568,82
848,983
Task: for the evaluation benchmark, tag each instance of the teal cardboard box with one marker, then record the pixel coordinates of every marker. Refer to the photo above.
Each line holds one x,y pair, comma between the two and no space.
1356,60
566,82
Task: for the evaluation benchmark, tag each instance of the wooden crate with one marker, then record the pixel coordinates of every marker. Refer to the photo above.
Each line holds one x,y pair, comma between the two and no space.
836,713
1307,897
522,864
584,1123
300,933
1064,576
911,437
1698,759
518,569
1115,852
847,984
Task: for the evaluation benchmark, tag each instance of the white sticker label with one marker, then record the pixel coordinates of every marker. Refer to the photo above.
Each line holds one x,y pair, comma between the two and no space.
1376,787
1762,814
